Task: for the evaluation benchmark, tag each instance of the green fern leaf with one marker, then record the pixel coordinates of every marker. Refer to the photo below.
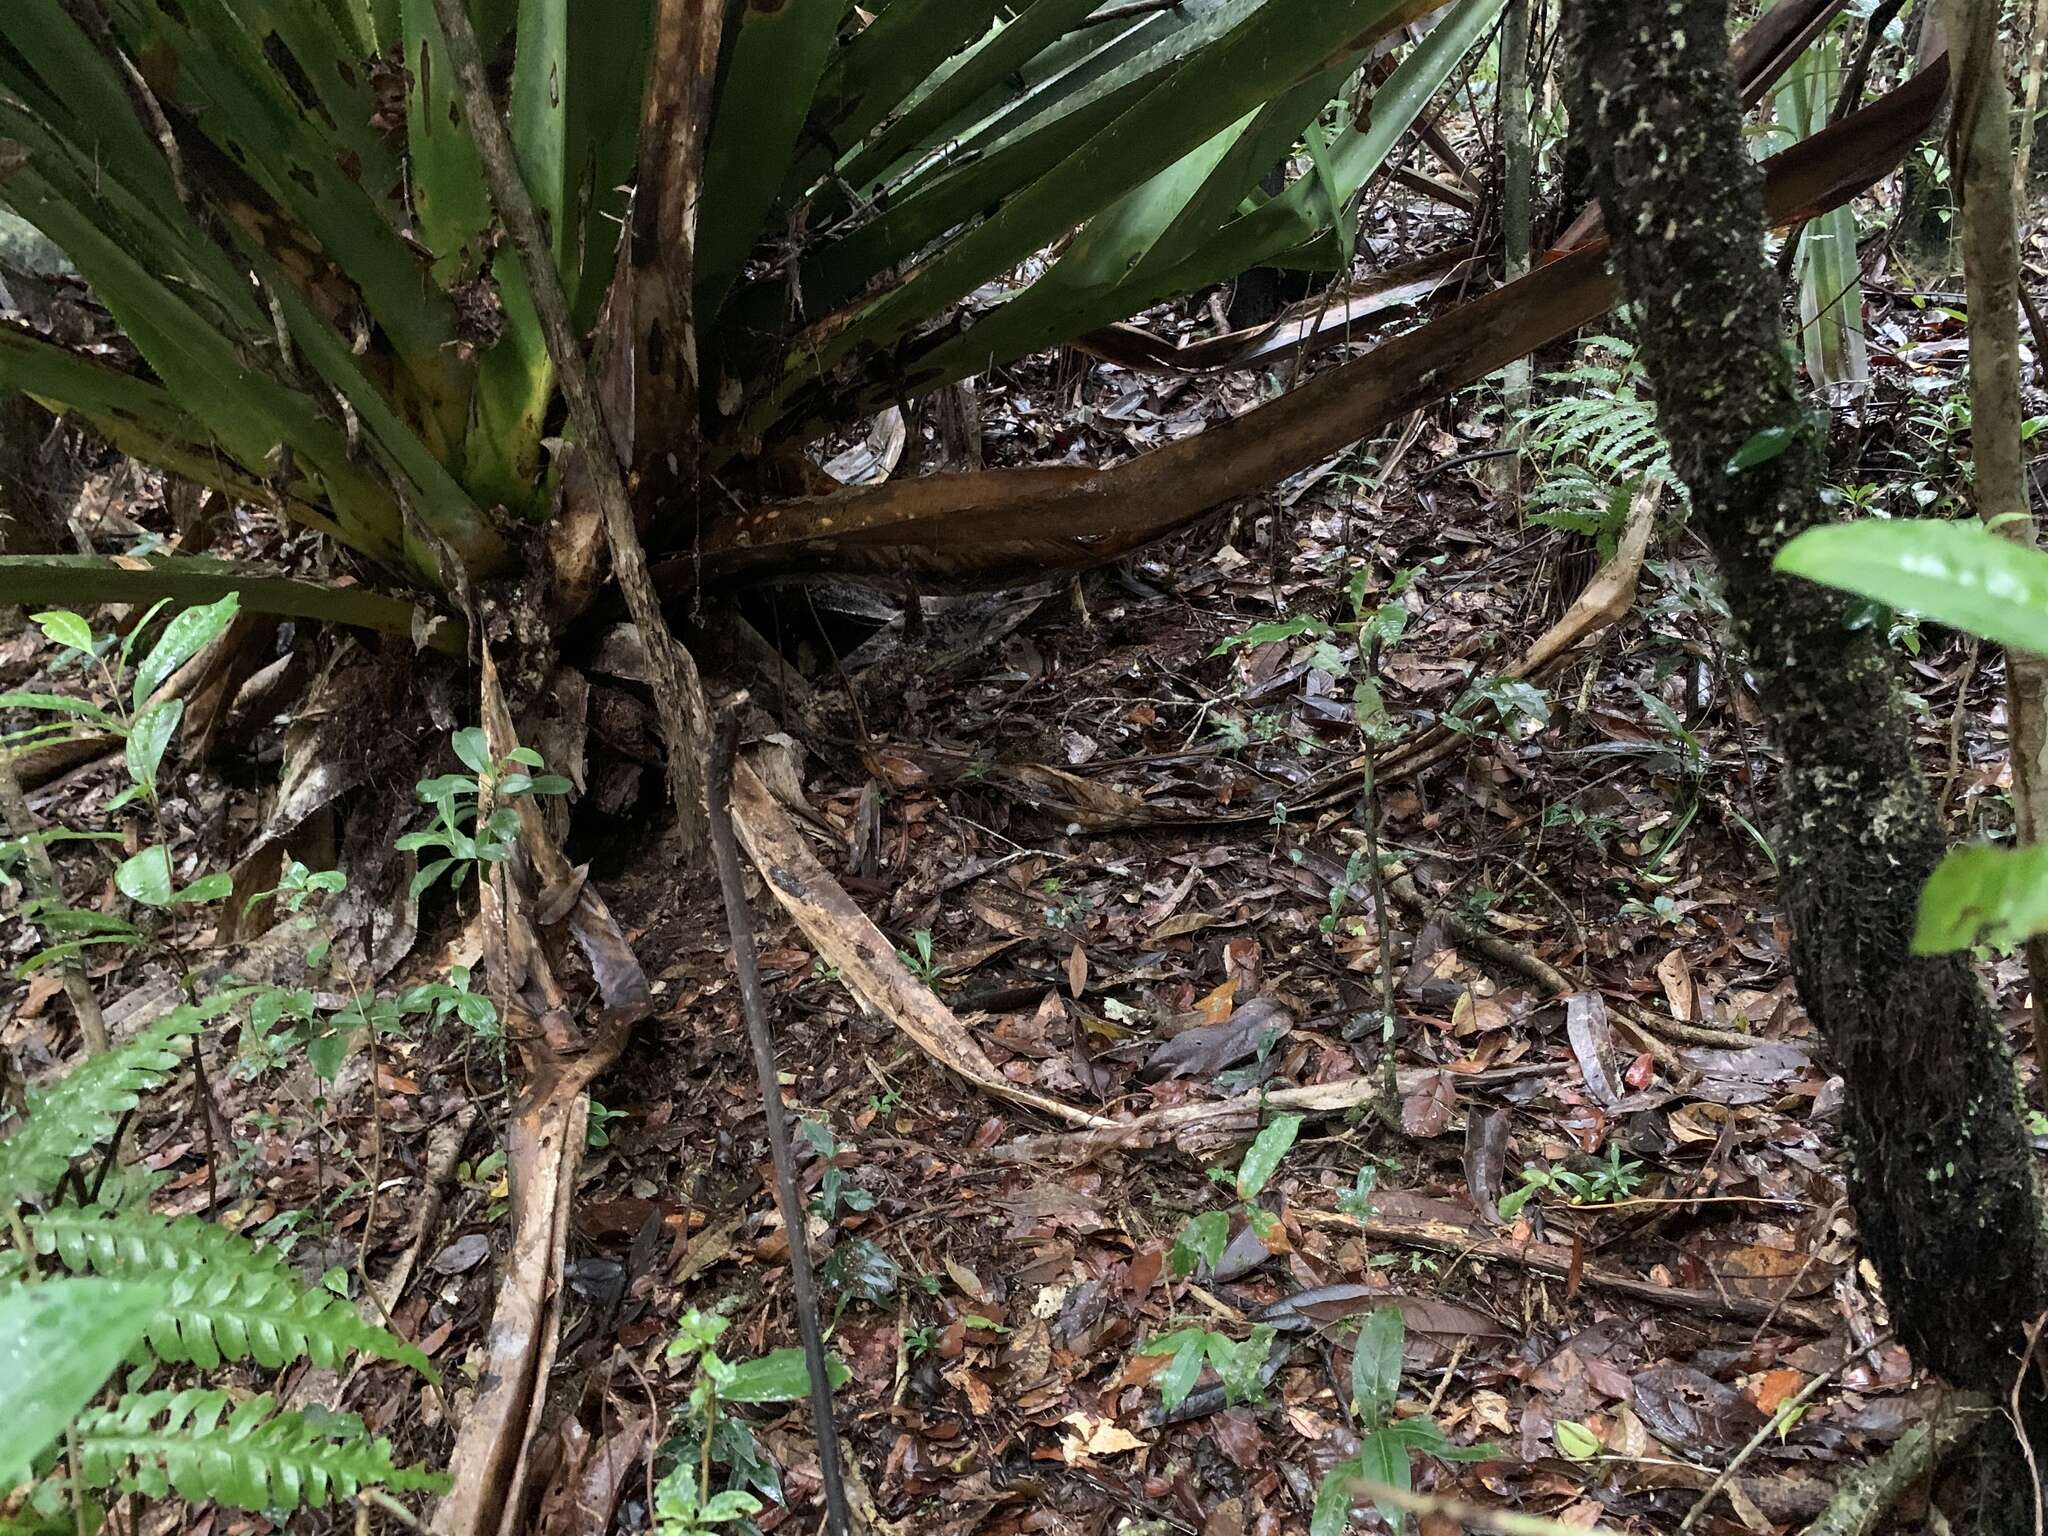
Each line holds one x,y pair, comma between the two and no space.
225,1298
83,1108
253,1457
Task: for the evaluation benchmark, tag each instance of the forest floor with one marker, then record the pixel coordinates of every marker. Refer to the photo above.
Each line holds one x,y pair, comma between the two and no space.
1119,829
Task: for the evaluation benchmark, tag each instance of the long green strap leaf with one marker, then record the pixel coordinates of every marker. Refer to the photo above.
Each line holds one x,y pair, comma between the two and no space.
1036,320
1004,52
189,580
1275,47
872,75
451,205
777,57
248,413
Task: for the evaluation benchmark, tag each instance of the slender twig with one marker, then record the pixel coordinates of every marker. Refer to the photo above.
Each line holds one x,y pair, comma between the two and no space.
678,691
2019,1418
202,1093
2035,327
1783,1416
725,850
1369,815
391,1507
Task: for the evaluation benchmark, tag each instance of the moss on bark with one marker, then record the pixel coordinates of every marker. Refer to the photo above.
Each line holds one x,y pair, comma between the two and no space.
1941,1167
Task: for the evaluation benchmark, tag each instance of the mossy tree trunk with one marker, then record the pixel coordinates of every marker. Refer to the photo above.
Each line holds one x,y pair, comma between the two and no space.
1941,1168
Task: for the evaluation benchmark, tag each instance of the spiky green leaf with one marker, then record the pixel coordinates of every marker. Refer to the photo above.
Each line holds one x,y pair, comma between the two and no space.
251,1455
225,1298
82,1109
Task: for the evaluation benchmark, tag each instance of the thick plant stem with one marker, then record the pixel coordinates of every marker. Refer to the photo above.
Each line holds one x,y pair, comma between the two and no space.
678,691
1941,1168
1982,155
1518,163
20,822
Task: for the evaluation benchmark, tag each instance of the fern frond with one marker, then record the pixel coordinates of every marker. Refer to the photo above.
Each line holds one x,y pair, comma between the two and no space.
254,1457
83,1108
225,1298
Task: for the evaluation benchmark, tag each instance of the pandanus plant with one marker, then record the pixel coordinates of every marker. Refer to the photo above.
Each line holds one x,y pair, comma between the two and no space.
280,205
767,218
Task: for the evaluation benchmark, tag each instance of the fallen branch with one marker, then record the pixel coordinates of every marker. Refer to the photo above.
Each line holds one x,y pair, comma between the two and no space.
1299,331
1213,1123
1863,1503
740,924
1777,1423
1550,1259
992,525
1653,1029
1606,599
544,1140
1605,602
845,938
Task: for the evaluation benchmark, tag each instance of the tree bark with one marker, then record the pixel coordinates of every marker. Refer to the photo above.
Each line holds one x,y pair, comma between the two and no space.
1980,127
1940,1164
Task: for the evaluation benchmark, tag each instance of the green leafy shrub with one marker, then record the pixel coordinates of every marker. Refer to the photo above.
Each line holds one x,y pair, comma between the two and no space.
1594,443
1387,1445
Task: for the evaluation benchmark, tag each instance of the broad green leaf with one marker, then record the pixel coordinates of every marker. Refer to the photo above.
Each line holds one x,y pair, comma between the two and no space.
1265,1154
60,704
1763,446
148,737
1183,1370
1332,1515
1201,1242
326,1051
1955,573
184,637
66,629
214,887
1376,1364
146,877
781,1377
1427,1436
1575,1440
1980,895
64,951
733,1504
1512,1202
1276,629
1382,1458
474,749
59,1342
1241,1364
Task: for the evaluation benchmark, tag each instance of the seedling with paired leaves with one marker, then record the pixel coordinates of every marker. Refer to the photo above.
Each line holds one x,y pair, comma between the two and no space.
1614,1178
1387,1444
710,1437
1200,1245
475,822
135,714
